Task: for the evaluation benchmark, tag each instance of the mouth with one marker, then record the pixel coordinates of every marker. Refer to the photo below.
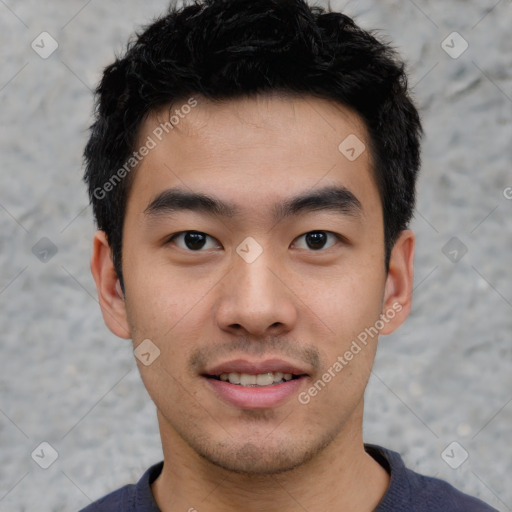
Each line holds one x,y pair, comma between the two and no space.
259,380
249,385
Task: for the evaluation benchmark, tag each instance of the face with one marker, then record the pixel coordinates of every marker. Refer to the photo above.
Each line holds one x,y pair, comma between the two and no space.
256,299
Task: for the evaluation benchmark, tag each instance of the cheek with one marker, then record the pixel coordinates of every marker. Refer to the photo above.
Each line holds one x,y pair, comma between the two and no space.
348,308
170,308
348,312
347,301
160,295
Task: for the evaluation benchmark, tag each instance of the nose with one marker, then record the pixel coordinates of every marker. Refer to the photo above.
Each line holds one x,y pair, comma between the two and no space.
255,299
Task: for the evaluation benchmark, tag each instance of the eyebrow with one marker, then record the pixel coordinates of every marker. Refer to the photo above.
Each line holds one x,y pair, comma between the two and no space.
337,199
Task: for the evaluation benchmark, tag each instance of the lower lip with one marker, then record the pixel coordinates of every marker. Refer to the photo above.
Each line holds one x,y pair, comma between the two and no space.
252,397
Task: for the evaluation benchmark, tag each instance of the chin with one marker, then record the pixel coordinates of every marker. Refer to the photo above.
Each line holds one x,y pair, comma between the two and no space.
262,457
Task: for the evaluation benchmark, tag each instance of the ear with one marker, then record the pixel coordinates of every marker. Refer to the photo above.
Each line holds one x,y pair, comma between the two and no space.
398,289
110,295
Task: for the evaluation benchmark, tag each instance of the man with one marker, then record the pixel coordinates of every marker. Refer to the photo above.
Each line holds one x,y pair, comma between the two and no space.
252,170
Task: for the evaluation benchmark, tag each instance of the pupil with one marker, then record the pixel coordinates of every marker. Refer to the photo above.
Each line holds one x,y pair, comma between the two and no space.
194,240
316,239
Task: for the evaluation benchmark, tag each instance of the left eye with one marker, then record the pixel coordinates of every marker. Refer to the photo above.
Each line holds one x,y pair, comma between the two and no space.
317,240
193,240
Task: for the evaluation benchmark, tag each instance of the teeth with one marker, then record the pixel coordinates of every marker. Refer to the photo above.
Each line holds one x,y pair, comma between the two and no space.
265,379
234,378
262,379
248,380
278,376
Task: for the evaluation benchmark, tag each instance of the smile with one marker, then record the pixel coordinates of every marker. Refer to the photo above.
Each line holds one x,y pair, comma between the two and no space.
259,380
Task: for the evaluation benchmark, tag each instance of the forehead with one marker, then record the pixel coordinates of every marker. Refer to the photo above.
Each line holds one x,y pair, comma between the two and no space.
253,150
298,121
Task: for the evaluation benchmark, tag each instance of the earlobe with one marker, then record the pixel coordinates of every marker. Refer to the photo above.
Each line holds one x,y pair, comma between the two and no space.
399,281
110,295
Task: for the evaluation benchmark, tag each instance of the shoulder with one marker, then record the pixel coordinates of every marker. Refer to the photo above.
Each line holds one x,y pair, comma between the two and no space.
441,496
117,501
130,498
411,491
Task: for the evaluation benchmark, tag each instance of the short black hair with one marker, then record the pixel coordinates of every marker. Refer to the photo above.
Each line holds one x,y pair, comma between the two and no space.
224,49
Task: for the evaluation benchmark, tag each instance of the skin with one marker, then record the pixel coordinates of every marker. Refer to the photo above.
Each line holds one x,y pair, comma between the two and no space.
294,303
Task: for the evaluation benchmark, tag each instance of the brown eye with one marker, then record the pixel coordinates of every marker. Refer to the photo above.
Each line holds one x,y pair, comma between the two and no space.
317,240
192,240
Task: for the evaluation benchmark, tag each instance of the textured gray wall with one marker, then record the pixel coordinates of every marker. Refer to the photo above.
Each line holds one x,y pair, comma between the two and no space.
444,377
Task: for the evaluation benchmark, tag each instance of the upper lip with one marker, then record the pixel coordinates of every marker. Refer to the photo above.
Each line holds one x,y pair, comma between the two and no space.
255,367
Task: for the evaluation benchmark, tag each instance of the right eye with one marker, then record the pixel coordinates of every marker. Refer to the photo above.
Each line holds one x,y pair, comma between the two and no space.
192,241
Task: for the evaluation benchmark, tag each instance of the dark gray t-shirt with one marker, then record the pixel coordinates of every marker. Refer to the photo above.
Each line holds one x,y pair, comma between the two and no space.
407,492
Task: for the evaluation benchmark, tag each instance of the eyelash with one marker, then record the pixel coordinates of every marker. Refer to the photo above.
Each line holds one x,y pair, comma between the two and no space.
339,238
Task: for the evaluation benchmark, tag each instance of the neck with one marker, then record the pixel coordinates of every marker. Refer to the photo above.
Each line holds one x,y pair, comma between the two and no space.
342,477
